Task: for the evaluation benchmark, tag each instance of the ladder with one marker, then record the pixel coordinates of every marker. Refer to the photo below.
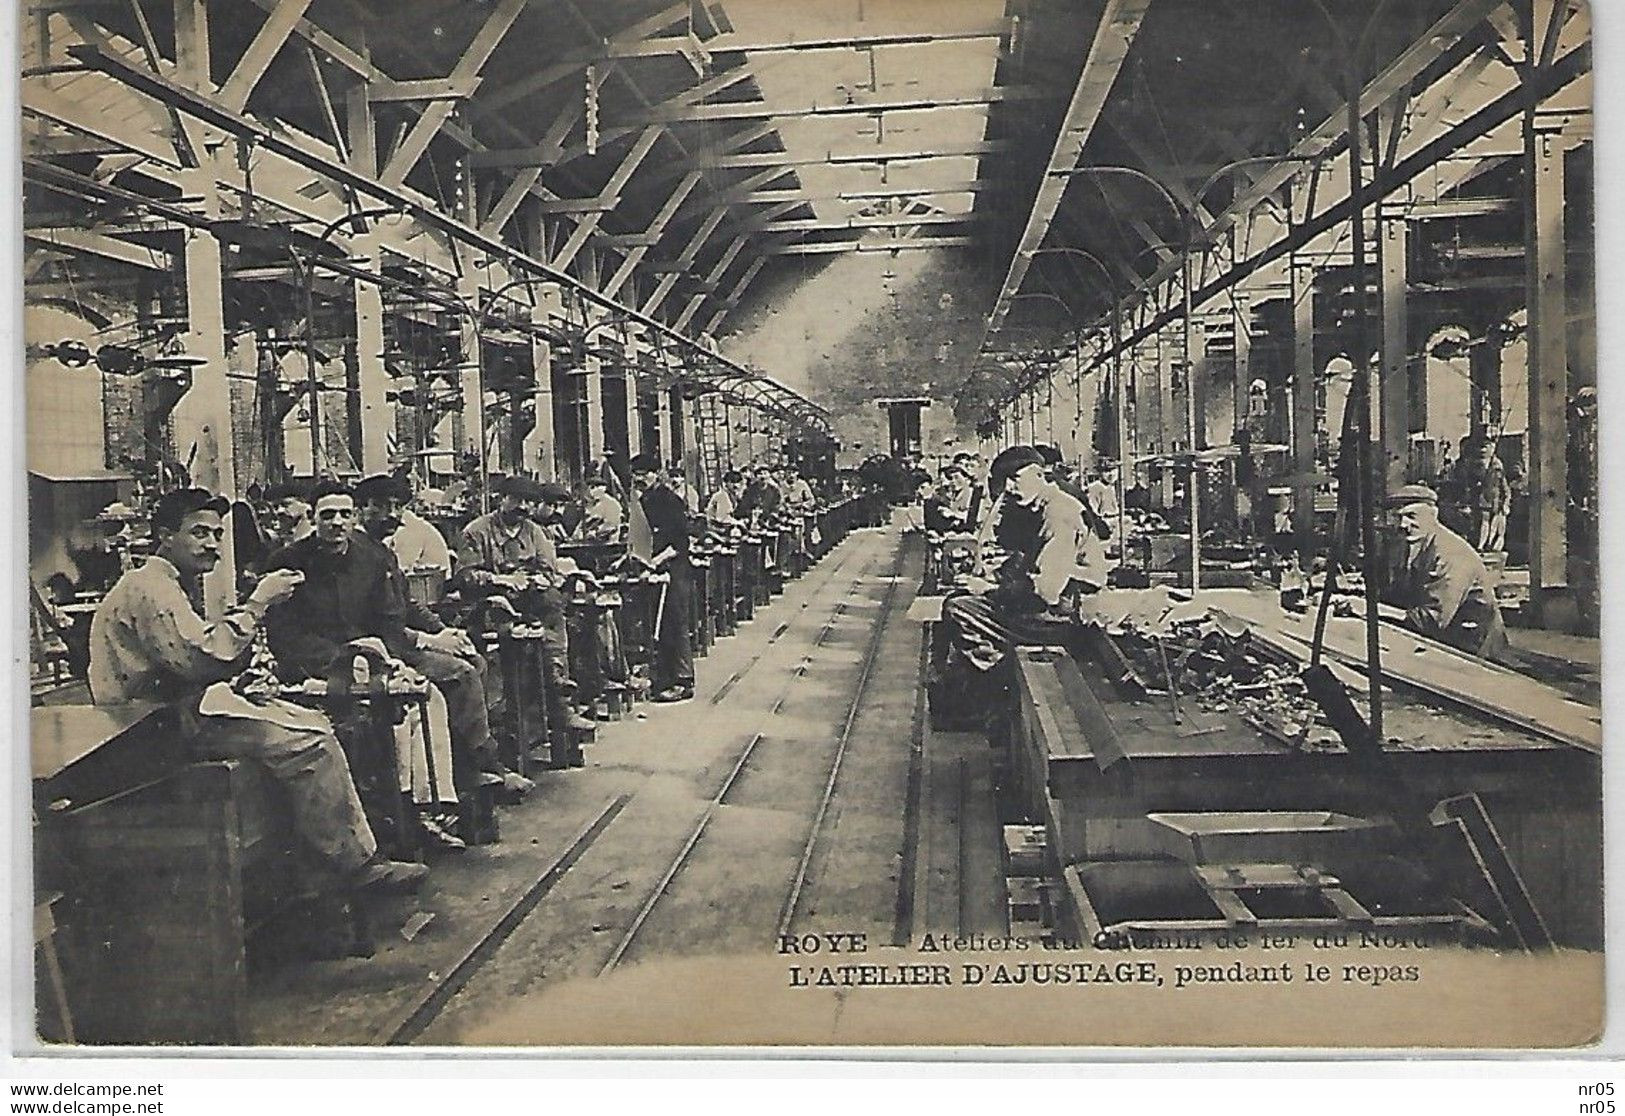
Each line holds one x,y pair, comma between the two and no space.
712,430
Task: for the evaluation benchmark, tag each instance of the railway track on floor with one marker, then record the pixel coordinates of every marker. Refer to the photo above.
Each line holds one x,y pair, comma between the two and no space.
790,907
749,664
410,1023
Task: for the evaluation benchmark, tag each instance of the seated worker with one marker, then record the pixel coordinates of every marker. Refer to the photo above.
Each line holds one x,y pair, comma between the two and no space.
352,590
982,626
148,643
417,544
1444,587
601,518
672,671
551,510
762,495
798,494
1056,471
508,543
723,508
289,519
1009,524
947,509
379,502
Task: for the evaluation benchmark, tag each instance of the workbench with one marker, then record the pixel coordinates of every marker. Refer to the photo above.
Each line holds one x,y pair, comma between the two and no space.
151,850
1091,762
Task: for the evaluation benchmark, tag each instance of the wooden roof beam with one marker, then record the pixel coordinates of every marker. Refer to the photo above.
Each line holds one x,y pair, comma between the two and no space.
747,195
1119,24
762,110
820,247
588,224
498,99
783,159
266,45
684,261
91,242
473,60
548,155
651,235
725,305
875,221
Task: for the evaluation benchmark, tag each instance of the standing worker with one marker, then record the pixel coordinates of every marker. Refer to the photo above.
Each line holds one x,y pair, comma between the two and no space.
672,671
1492,498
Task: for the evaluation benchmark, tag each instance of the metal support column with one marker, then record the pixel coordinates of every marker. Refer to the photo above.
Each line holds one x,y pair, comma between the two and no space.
634,416
1395,383
592,434
1304,466
201,422
537,452
1168,350
1546,282
377,419
1246,502
668,448
470,377
1196,383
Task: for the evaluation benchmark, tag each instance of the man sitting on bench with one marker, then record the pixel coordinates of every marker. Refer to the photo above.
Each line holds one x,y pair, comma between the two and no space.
350,593
1044,560
511,544
149,642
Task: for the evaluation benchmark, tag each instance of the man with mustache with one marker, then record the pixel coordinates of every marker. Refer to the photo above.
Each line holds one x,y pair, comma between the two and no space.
149,641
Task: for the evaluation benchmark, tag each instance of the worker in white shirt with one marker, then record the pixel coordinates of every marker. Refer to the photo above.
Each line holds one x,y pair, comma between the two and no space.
723,507
601,519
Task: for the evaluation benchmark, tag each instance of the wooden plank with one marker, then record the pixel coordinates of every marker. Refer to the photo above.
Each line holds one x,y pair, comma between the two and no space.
1428,665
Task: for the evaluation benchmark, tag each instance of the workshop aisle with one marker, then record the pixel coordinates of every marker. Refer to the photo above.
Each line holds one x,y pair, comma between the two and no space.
774,802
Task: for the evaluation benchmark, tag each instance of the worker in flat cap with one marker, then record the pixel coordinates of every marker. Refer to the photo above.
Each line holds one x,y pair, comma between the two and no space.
509,542
1053,557
508,539
553,505
947,507
1444,588
671,673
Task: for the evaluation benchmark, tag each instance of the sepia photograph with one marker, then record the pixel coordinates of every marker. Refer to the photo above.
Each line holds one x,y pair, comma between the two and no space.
879,524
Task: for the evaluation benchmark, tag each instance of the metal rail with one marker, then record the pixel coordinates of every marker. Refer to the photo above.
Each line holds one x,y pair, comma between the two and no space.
738,676
420,1014
909,855
719,799
787,914
431,1003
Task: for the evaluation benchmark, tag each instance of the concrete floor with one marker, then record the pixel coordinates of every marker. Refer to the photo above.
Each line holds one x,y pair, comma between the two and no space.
894,857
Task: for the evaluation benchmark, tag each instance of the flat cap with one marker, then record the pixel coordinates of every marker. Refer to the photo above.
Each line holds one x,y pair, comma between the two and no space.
554,493
382,486
1012,461
1412,494
522,487
172,507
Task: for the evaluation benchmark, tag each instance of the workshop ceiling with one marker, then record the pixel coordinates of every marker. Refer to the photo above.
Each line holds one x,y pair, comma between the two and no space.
698,144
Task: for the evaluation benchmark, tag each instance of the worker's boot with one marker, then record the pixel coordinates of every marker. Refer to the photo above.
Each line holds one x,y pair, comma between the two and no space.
567,730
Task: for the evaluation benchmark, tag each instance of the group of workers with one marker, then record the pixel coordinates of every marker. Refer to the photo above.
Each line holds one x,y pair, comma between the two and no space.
1034,542
323,584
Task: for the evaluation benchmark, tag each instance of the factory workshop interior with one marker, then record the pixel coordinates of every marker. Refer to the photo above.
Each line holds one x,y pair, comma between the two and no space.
522,491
